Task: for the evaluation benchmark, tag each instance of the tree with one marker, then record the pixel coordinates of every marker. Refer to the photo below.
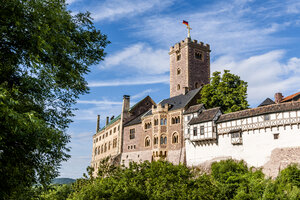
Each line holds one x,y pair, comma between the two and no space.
44,54
228,92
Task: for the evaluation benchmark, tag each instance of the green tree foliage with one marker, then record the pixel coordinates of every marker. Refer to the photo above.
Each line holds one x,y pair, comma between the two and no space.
44,54
228,179
228,92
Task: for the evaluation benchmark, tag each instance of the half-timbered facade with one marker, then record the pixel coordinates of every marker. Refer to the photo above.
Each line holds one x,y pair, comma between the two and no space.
266,136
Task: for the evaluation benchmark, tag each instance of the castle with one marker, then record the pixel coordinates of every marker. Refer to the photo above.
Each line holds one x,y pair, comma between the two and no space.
179,130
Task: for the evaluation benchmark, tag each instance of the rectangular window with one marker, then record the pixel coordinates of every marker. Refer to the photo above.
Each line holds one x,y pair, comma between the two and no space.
132,134
115,129
155,122
195,131
188,118
276,136
115,143
266,117
236,138
178,57
201,130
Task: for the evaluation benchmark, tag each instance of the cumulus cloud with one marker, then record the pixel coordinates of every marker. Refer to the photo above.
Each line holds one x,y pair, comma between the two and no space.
266,74
141,58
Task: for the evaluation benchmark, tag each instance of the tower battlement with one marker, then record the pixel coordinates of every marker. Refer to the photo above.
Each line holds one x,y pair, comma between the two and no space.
183,43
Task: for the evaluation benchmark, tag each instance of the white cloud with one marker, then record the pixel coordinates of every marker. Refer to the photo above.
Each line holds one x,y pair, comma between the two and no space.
142,94
131,81
71,1
115,9
230,28
141,58
96,102
266,74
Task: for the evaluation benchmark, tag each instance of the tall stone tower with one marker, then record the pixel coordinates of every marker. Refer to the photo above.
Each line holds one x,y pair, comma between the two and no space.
189,66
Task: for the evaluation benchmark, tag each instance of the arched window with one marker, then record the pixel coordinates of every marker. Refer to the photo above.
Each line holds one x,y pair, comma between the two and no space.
173,120
147,141
155,140
178,87
175,138
102,148
163,139
178,71
105,147
165,121
96,151
109,143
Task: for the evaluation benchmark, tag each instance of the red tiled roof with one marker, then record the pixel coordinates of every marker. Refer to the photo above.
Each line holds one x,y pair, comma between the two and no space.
290,97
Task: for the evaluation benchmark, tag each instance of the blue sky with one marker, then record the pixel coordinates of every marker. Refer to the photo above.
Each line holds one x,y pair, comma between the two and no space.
257,40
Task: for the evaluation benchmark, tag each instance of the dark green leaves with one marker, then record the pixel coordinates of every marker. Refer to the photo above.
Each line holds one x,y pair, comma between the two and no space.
227,92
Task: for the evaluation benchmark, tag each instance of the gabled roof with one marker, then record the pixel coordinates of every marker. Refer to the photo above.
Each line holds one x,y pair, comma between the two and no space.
181,100
281,107
193,109
136,120
130,110
206,115
291,97
266,102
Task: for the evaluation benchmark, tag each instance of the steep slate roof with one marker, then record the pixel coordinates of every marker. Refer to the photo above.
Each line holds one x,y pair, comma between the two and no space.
206,115
281,107
131,108
181,100
136,120
290,98
193,109
266,102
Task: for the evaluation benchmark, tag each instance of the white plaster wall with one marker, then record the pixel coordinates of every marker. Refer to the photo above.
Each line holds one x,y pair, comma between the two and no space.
256,148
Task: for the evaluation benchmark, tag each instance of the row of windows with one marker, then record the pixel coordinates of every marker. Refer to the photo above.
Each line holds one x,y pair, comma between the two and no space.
114,130
195,131
163,140
197,55
105,147
132,147
175,120
163,121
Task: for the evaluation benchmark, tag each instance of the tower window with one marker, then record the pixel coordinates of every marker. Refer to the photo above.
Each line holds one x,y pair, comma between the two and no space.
178,71
178,57
196,85
178,87
198,55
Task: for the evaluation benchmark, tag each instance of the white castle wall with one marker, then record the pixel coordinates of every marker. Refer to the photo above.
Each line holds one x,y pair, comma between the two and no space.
257,144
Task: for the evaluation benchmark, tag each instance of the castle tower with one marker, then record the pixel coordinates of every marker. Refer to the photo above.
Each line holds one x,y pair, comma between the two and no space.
189,66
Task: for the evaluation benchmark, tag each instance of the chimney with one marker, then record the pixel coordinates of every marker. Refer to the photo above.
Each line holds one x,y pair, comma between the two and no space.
126,103
107,121
98,123
278,97
112,117
186,90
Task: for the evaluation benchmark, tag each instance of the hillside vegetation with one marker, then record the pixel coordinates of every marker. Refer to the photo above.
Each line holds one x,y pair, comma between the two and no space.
162,180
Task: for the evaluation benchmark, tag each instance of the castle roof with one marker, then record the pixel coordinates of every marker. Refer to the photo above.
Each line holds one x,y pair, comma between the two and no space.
291,97
205,116
136,120
193,109
266,102
273,108
180,101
